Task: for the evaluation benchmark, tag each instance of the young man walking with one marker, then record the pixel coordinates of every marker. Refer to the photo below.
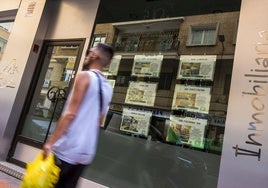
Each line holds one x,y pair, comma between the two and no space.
74,139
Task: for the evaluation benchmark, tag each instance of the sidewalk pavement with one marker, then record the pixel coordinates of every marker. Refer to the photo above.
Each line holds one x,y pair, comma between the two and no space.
10,175
7,181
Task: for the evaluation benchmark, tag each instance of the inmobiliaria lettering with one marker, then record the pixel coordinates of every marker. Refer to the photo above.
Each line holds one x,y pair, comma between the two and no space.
257,100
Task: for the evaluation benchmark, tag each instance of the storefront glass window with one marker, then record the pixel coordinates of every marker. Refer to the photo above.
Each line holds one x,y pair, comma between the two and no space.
171,74
5,30
59,66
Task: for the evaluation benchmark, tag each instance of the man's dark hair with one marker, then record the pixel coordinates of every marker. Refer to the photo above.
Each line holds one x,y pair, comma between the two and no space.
106,48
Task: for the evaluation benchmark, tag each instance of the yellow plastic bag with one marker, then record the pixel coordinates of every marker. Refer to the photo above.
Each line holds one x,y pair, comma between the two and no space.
41,173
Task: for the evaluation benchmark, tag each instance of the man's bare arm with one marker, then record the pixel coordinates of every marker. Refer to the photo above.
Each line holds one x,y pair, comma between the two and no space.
79,89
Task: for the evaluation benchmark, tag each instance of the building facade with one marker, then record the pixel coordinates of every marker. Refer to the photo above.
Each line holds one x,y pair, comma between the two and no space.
169,123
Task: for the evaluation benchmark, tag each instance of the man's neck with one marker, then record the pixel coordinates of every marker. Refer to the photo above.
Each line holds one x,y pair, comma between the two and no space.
97,70
96,67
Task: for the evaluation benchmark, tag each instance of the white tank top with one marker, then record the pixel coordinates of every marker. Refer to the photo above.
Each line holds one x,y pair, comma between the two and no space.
78,145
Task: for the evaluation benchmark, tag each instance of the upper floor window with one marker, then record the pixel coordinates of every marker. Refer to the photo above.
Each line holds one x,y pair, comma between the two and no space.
202,35
98,39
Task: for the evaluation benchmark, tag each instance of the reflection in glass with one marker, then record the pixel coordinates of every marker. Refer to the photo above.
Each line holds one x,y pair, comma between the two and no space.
5,29
51,92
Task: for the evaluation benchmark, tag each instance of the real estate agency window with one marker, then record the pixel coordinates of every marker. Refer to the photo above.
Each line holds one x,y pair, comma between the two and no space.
202,35
169,124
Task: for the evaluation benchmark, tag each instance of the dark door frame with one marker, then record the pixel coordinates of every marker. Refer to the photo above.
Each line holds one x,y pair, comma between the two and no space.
27,103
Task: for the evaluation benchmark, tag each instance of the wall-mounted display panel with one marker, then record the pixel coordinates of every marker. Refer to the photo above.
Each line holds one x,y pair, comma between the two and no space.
112,82
191,98
195,67
190,131
136,122
147,65
141,93
112,69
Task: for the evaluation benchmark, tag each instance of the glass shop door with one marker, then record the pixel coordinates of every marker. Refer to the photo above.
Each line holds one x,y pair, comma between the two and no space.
58,65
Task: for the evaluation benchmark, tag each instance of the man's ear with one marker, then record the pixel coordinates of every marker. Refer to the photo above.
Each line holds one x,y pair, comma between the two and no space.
94,56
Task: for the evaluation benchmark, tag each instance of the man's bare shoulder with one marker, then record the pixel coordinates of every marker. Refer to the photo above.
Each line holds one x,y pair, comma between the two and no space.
82,77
